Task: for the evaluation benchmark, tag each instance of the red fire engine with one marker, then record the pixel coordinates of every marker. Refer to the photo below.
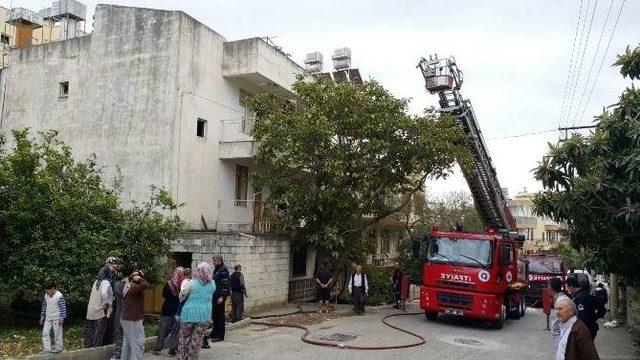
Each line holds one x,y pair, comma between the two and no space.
472,275
543,267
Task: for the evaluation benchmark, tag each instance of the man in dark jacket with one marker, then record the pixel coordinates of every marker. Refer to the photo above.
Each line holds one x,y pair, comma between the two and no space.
575,338
397,285
588,310
238,292
221,277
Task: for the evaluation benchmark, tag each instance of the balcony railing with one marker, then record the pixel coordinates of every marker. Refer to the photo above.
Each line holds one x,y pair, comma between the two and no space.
237,129
249,216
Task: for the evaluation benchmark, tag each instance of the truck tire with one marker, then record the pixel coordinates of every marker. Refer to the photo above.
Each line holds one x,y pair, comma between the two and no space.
431,315
498,324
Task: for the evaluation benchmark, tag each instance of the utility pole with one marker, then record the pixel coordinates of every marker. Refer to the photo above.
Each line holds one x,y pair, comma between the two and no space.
566,129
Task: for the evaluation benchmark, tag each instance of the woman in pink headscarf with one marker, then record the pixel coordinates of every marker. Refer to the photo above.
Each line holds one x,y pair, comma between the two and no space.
169,325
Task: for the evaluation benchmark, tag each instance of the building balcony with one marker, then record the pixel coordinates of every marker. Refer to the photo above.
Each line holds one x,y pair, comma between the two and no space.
526,221
236,141
248,216
260,64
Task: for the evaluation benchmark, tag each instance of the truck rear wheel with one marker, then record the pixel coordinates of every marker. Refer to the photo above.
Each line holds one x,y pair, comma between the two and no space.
431,315
498,324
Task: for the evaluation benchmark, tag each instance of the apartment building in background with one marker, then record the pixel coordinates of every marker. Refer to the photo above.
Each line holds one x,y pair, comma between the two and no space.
541,233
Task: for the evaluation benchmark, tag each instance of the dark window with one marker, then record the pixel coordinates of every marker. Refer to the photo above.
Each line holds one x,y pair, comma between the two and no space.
201,128
299,261
64,89
183,259
4,39
242,185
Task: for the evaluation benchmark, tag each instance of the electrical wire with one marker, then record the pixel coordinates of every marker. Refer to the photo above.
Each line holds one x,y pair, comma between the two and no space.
593,61
573,48
523,135
604,57
584,51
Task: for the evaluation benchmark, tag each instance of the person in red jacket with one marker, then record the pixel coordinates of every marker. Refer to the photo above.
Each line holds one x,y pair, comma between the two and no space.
547,299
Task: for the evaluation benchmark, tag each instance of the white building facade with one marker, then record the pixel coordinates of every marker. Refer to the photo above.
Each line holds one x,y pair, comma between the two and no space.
159,96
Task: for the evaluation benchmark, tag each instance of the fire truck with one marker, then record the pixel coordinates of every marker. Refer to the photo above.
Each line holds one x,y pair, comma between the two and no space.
542,267
478,276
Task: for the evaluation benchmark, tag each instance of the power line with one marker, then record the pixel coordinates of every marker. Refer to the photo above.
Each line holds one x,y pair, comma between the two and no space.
604,57
573,48
524,134
584,51
593,61
579,50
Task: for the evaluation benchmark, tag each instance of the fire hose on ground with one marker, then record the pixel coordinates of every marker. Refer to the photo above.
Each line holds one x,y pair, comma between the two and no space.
306,332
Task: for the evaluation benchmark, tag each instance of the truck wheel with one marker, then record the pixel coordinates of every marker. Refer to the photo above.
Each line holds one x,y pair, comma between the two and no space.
431,315
523,305
498,324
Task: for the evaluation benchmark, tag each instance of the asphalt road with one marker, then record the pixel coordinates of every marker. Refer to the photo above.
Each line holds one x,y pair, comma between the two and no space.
445,339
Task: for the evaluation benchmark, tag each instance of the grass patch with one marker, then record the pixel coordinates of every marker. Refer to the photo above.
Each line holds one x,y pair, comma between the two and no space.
20,341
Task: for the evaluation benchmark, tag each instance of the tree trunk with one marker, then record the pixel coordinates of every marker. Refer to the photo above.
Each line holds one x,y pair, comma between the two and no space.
613,296
622,306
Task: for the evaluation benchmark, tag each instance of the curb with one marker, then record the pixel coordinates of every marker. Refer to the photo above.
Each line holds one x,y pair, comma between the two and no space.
106,352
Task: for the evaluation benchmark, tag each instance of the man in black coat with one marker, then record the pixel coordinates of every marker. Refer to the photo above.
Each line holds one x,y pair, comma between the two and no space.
588,310
397,285
219,298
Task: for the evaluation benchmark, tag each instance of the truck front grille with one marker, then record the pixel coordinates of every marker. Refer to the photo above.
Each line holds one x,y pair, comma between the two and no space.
457,301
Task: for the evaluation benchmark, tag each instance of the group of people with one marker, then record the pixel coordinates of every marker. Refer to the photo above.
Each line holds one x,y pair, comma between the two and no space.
358,287
573,321
116,309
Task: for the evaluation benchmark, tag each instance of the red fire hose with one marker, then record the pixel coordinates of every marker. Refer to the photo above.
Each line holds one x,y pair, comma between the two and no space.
341,345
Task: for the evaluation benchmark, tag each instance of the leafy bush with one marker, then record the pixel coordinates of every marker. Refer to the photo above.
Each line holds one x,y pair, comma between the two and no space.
59,222
380,285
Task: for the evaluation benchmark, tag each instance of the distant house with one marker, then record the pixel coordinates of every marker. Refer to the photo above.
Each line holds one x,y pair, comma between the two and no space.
541,233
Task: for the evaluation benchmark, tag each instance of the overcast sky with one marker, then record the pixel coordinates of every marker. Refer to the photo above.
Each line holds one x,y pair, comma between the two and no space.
515,56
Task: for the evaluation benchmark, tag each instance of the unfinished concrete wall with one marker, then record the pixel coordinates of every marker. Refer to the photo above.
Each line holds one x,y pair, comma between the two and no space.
120,103
264,259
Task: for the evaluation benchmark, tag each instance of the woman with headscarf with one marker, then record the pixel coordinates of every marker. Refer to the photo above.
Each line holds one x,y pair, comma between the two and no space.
196,312
169,325
100,305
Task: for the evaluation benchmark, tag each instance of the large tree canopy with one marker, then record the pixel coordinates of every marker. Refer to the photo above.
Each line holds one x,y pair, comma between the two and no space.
59,221
593,182
338,155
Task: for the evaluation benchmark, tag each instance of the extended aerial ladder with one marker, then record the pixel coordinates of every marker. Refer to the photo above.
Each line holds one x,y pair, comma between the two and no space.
443,77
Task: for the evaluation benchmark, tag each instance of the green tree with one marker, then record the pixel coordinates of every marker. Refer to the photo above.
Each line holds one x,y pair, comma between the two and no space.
593,182
59,221
338,155
446,211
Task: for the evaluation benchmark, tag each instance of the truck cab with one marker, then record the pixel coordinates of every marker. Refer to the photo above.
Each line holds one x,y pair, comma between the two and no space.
543,267
471,275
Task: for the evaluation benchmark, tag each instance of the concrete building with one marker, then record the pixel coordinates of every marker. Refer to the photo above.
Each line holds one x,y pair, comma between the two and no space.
541,233
160,96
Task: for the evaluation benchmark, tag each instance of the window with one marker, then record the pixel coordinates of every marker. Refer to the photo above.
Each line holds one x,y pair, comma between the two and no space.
201,128
242,96
299,261
183,259
242,185
4,39
64,89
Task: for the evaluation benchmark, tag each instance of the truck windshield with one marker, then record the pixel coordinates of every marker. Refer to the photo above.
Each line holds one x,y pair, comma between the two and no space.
541,265
466,252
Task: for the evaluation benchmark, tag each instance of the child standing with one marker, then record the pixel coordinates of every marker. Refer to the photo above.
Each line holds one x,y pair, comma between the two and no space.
52,315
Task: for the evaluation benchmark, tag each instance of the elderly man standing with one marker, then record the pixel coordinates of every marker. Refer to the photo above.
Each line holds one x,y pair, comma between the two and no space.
221,278
575,338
